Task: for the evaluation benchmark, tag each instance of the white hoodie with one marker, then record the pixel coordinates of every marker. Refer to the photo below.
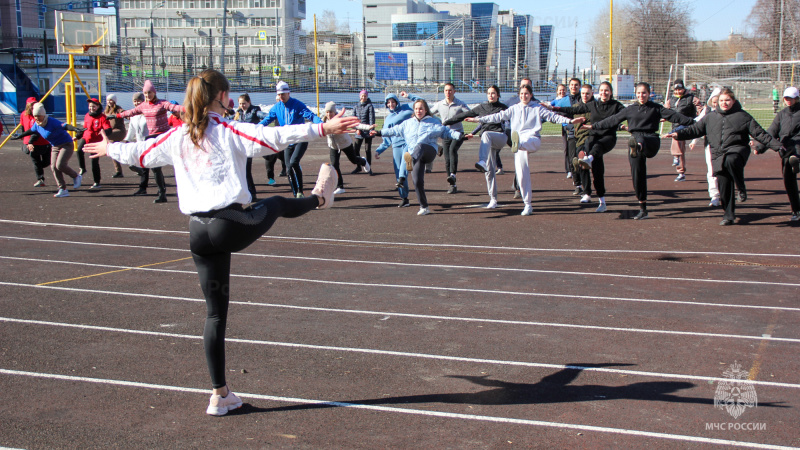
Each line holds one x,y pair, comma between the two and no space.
525,118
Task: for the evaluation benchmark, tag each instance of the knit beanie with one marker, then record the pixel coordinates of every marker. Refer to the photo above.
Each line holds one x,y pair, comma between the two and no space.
148,87
38,110
330,106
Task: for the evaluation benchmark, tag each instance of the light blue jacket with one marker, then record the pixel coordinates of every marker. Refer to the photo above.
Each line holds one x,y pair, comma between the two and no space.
396,117
425,131
293,112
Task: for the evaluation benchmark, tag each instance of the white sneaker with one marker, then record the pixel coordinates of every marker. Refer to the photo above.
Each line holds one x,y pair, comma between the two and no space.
95,186
219,405
423,212
500,171
586,198
527,211
601,208
492,204
675,161
339,191
366,166
569,175
77,182
680,177
715,202
326,184
795,216
62,193
481,165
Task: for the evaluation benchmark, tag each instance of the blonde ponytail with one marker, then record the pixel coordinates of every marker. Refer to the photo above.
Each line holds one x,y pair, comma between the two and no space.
200,93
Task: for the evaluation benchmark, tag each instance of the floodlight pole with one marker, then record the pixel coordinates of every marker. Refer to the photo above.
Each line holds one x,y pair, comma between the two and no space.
224,31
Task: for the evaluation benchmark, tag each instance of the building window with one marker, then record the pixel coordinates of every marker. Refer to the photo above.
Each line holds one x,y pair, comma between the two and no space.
273,3
416,31
301,6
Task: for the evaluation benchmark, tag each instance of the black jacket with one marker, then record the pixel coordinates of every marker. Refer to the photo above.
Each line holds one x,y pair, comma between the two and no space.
366,114
728,132
484,109
786,127
683,105
252,115
597,111
643,118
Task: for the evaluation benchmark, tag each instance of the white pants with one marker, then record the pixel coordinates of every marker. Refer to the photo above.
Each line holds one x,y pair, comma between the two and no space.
491,140
713,187
523,173
528,141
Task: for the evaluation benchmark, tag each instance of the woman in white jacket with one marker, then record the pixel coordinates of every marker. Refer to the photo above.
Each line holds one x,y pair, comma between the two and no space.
209,154
526,123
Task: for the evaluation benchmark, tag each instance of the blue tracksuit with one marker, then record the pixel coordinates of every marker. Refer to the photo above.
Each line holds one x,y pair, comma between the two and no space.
398,143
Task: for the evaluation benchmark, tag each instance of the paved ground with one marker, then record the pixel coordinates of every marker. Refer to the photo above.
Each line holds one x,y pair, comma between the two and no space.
366,326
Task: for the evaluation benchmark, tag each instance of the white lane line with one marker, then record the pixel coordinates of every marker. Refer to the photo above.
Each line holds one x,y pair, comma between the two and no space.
403,354
316,240
435,266
448,318
392,409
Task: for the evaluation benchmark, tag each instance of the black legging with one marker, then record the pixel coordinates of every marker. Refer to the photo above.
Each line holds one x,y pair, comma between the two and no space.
425,154
292,156
350,152
82,162
269,162
790,183
450,147
732,174
367,141
40,156
597,147
213,236
650,144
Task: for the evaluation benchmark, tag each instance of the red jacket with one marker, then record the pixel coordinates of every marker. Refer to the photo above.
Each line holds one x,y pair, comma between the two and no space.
93,125
27,121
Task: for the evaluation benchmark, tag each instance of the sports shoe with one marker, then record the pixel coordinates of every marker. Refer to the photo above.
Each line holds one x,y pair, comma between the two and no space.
601,208
578,190
162,198
642,215
409,161
680,177
633,146
586,162
514,142
451,179
742,196
39,183
271,182
586,198
794,161
140,192
452,189
367,168
62,193
569,175
299,195
500,171
81,171
423,212
404,203
400,182
481,166
715,202
77,181
675,161
492,204
283,173
356,170
95,186
726,222
517,193
339,190
117,175
527,211
326,184
795,216
219,405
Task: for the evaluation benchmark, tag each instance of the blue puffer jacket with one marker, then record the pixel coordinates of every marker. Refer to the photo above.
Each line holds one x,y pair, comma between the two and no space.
425,131
395,117
293,112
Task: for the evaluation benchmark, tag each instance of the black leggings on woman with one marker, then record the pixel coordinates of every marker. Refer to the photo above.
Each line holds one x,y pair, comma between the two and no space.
650,144
350,152
213,236
425,154
597,147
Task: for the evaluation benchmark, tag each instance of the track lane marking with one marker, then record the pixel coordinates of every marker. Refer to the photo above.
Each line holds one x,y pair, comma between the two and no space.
436,266
401,354
113,271
397,410
316,240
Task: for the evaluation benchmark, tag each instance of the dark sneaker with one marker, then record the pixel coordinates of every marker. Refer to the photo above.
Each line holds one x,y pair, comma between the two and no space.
742,197
634,147
794,161
117,175
140,192
356,170
642,215
578,190
452,190
451,179
404,203
726,222
162,198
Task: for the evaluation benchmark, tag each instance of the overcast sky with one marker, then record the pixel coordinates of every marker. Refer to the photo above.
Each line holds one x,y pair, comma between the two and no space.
713,19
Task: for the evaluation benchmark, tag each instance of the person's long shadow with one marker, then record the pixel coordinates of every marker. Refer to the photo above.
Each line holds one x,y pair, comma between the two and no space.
555,388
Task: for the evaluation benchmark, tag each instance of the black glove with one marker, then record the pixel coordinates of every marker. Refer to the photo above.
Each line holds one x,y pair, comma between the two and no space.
378,133
15,137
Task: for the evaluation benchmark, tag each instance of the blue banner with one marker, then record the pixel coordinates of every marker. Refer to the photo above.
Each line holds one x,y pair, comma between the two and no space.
391,66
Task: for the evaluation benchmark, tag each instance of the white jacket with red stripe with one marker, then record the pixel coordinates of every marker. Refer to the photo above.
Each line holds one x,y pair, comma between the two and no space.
212,177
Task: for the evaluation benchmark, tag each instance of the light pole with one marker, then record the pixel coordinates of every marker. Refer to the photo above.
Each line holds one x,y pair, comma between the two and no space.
152,43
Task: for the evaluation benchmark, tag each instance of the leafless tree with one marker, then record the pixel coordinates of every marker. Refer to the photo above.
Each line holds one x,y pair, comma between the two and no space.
764,22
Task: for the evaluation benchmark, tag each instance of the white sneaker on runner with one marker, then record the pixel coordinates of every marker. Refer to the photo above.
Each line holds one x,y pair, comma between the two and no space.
366,166
339,191
77,182
219,405
492,204
62,193
326,184
423,212
586,198
527,211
